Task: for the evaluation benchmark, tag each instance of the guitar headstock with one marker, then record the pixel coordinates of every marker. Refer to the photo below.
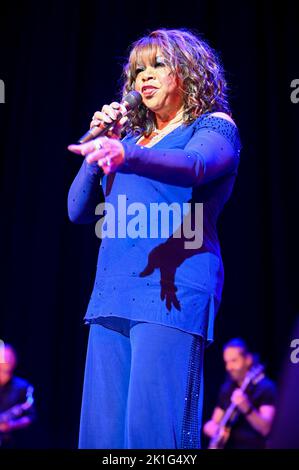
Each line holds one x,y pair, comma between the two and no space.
254,375
29,398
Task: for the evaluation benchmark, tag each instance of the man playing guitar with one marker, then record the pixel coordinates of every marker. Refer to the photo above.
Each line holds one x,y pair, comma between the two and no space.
16,399
245,410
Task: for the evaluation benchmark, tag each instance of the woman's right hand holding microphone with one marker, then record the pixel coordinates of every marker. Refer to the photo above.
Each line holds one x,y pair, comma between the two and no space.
108,114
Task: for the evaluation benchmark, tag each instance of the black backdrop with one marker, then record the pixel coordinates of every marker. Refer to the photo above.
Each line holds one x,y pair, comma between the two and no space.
61,61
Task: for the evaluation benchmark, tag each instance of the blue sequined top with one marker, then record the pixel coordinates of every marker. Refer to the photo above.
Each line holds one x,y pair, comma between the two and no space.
147,275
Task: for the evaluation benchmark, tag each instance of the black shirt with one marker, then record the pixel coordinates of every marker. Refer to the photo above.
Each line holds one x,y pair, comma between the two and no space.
243,435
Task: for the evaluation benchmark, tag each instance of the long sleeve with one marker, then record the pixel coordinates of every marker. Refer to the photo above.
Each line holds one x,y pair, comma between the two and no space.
212,152
85,194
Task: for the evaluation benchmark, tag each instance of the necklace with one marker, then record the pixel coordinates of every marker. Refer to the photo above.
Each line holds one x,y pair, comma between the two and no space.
158,134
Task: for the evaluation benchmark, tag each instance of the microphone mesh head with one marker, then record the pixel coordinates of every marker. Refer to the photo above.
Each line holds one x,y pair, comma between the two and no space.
132,100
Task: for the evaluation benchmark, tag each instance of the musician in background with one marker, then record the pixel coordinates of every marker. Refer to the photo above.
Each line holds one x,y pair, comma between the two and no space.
13,391
255,406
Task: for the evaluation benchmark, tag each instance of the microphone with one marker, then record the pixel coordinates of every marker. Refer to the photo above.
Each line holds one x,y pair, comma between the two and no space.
129,102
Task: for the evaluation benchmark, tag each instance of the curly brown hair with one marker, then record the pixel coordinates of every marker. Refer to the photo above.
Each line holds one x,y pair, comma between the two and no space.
193,61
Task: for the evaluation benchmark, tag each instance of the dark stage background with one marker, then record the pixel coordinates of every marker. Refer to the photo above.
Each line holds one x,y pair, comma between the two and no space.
60,62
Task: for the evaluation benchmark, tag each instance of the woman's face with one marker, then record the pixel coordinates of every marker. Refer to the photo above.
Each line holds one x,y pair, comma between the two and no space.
159,86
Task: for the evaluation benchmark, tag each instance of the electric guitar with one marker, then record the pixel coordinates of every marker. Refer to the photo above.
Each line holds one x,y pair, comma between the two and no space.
254,375
17,410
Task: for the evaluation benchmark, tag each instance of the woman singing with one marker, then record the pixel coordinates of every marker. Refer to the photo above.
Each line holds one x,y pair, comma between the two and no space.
156,294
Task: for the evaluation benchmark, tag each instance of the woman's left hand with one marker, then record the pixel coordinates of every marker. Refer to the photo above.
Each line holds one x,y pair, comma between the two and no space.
108,153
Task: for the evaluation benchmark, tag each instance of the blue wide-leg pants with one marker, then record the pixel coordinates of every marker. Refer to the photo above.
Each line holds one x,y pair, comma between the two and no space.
143,388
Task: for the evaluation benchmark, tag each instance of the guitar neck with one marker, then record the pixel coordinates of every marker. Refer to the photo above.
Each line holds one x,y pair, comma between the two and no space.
9,414
19,409
228,415
232,407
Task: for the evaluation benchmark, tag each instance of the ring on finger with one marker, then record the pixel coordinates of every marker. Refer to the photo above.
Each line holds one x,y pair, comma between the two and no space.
97,145
108,158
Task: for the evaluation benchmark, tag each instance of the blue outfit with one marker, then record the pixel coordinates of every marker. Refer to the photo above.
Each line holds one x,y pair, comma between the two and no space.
154,279
143,390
